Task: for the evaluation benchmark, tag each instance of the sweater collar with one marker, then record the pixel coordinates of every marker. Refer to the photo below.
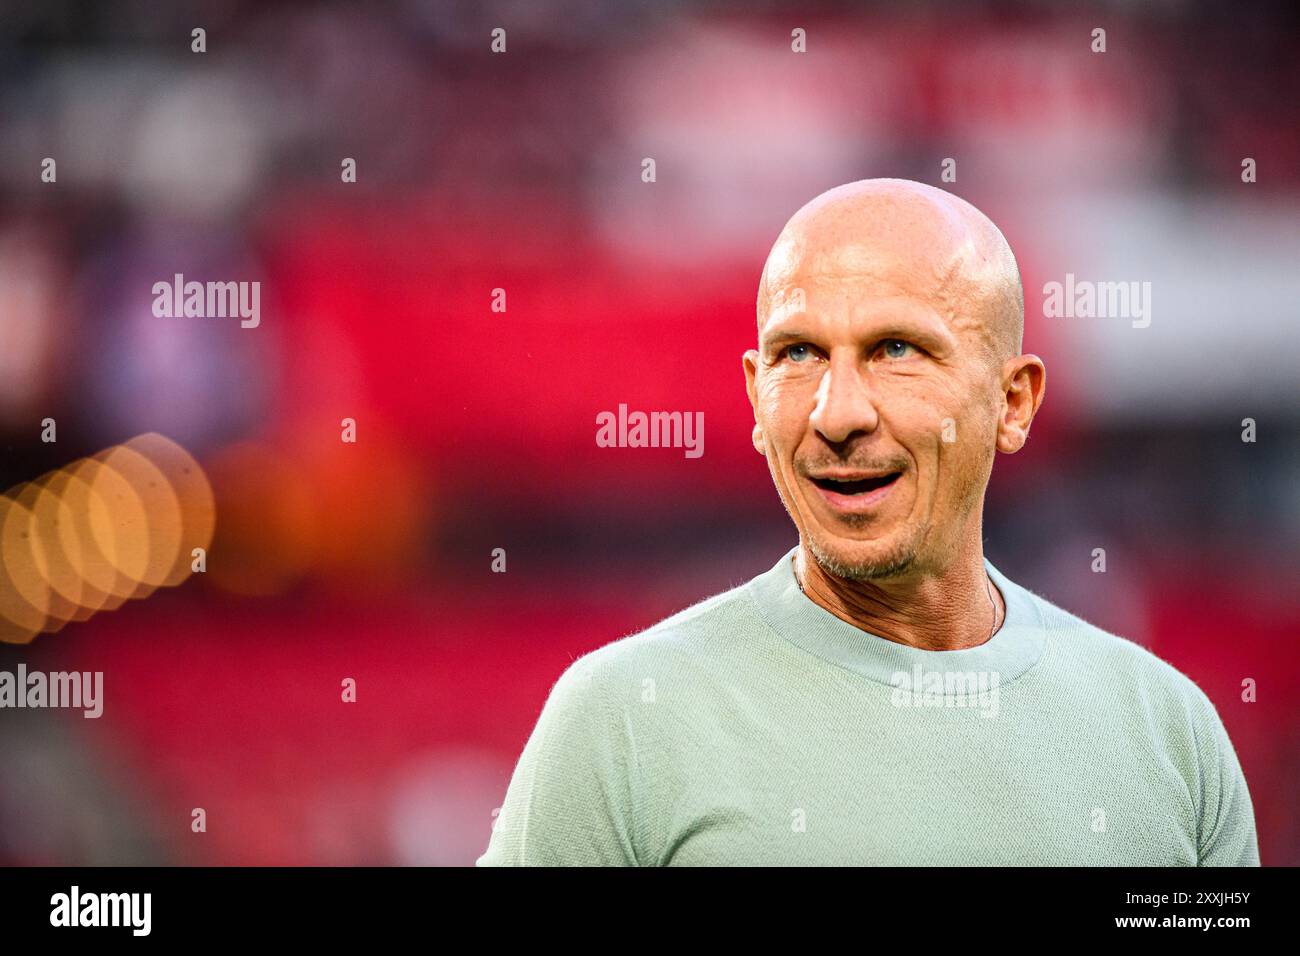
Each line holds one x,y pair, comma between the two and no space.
1013,649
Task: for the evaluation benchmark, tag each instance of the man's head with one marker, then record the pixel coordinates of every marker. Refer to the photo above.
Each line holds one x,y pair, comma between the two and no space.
888,370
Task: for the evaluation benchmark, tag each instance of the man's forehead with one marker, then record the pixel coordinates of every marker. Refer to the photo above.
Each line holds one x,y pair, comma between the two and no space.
853,305
855,282
845,296
826,288
920,261
827,256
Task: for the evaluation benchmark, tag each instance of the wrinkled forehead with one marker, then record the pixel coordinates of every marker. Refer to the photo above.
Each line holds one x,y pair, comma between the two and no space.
860,277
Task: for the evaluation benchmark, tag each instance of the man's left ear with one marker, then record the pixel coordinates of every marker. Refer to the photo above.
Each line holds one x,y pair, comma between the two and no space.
1026,383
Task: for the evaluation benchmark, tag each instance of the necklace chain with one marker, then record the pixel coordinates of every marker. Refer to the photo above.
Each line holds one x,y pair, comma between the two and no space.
993,601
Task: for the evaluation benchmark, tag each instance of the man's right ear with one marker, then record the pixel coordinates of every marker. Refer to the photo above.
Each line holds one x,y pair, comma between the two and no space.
750,361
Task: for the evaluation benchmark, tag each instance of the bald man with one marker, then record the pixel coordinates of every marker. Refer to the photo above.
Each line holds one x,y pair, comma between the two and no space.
883,694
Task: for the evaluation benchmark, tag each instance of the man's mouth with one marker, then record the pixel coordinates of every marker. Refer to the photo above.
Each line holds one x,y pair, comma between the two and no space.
854,484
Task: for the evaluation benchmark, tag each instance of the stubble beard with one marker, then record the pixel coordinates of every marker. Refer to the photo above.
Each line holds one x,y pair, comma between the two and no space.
899,562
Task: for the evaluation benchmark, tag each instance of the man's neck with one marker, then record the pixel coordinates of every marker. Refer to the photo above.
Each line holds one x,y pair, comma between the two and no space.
948,611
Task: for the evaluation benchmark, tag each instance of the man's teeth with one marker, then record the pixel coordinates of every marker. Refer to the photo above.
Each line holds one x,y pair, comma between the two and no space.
855,486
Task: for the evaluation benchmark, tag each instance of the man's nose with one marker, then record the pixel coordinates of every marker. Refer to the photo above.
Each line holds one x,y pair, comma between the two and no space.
844,402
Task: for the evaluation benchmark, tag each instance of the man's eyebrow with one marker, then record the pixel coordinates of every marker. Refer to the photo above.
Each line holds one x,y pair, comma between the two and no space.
905,329
782,336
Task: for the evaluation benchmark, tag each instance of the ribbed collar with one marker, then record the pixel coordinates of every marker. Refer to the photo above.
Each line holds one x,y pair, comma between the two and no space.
1013,649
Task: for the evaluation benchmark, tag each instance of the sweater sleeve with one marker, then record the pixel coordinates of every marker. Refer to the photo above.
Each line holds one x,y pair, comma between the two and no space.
568,802
1227,830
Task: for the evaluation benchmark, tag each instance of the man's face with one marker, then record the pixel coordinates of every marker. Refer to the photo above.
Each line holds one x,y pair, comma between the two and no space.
876,404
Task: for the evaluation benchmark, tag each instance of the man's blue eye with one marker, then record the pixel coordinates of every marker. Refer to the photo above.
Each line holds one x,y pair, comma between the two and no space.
896,348
798,353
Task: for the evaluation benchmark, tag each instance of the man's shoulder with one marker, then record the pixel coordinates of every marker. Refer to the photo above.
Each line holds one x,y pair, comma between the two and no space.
1146,690
1103,655
707,630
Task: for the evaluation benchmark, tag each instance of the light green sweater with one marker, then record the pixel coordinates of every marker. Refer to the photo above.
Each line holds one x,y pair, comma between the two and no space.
758,728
